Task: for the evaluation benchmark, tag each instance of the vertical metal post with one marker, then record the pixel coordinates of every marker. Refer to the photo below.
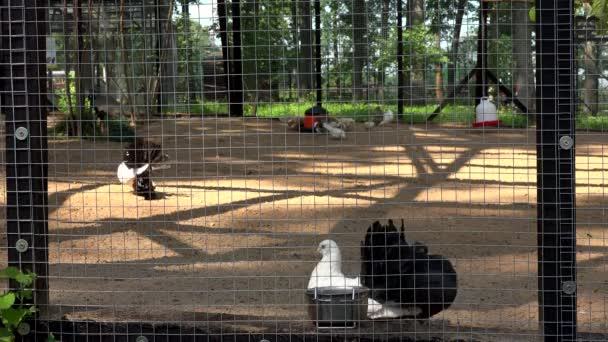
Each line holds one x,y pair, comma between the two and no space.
222,14
556,169
481,83
319,79
23,85
400,82
236,90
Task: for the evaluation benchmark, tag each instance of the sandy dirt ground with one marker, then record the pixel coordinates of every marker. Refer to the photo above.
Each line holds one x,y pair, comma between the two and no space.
231,244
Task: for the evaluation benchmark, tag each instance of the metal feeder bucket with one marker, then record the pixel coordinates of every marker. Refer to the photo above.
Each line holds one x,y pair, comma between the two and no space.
337,307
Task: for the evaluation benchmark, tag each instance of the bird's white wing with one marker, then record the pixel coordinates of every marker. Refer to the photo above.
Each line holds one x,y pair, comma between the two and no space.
387,117
124,173
323,277
376,310
142,169
335,132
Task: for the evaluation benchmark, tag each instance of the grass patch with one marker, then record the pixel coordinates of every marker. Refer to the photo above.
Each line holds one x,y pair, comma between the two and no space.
596,123
453,113
361,111
512,118
205,108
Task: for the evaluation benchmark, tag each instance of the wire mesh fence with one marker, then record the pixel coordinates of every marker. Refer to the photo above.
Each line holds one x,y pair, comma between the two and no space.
227,170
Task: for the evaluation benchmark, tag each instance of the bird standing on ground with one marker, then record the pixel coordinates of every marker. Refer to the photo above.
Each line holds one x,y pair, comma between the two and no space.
380,119
403,277
139,159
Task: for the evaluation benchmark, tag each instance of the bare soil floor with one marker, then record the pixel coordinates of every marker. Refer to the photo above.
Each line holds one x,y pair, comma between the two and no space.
231,244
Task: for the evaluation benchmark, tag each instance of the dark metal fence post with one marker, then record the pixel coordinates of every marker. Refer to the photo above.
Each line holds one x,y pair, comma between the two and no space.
318,79
400,81
23,85
236,89
555,147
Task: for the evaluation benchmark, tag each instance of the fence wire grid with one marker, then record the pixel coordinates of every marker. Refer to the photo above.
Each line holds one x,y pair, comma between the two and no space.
178,169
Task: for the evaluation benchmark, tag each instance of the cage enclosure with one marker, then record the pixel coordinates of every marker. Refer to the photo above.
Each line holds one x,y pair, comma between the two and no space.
193,170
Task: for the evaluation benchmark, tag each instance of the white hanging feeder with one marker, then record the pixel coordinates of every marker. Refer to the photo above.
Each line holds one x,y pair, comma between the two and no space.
486,114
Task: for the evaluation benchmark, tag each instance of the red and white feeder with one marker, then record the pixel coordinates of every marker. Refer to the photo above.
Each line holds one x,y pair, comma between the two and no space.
486,114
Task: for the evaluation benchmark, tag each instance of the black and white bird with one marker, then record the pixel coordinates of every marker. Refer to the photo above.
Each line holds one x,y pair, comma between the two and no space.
140,158
403,277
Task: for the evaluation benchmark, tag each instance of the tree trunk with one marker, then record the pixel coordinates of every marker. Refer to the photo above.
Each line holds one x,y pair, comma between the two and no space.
460,6
591,83
192,91
250,19
359,19
79,47
236,94
438,72
222,15
337,65
414,77
125,61
305,58
383,35
72,126
295,24
169,74
522,54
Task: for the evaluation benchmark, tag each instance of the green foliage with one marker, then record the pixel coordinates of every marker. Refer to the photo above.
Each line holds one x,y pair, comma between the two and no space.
13,309
510,117
532,14
599,9
588,122
192,48
500,58
62,98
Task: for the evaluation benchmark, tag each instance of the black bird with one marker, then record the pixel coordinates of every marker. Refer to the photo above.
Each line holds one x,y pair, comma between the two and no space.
403,277
140,158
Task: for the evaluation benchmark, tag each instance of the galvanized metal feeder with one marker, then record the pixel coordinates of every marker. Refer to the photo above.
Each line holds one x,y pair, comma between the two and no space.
330,307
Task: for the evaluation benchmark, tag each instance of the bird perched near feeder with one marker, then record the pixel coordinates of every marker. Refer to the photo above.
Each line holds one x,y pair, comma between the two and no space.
139,159
403,277
328,273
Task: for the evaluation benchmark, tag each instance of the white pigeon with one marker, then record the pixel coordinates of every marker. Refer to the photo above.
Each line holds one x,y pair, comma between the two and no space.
126,174
328,273
387,117
334,132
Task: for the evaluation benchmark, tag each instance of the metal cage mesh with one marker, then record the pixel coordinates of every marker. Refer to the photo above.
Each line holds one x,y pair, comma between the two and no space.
262,128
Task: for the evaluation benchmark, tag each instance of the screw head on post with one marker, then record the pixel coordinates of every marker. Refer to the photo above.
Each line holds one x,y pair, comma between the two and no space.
23,329
21,245
21,133
569,287
566,142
